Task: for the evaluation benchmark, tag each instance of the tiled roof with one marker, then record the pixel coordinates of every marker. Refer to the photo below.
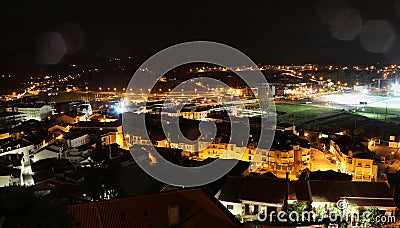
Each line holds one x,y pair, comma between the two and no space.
196,209
231,189
75,135
298,190
259,189
264,189
332,191
372,202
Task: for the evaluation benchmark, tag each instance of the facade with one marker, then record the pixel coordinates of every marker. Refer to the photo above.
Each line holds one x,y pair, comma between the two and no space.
114,129
291,155
354,161
76,139
11,146
11,119
245,197
33,112
195,114
10,178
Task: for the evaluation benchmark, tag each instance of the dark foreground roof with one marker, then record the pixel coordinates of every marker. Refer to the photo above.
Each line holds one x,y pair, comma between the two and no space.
259,189
332,191
196,209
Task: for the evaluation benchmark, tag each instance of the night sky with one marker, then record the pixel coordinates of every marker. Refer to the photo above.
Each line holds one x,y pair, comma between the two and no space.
281,31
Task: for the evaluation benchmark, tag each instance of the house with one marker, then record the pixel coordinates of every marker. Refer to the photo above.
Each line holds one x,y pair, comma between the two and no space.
393,143
11,119
70,119
76,139
247,196
4,134
10,177
33,111
354,158
195,114
363,194
59,129
394,185
17,146
54,150
98,128
182,208
36,140
77,154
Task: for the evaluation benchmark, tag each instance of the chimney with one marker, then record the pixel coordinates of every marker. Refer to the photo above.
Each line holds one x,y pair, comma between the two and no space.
173,215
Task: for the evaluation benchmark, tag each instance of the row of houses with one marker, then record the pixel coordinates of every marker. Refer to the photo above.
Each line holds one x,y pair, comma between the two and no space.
247,196
288,153
354,158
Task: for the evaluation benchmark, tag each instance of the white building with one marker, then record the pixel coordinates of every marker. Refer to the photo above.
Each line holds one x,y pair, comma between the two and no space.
76,139
33,112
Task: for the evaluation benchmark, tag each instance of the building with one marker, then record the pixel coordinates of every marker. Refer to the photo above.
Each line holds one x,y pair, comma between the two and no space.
100,128
33,111
393,143
76,139
363,194
9,176
11,119
245,197
287,154
354,158
195,114
10,146
70,119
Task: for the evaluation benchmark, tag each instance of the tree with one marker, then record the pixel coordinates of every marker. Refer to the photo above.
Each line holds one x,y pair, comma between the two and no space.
370,217
299,208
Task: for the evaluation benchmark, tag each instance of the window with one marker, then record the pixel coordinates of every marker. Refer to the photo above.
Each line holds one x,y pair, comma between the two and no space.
255,211
246,209
230,207
359,164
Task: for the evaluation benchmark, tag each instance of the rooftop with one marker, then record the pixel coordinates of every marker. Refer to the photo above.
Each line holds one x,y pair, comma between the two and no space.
196,209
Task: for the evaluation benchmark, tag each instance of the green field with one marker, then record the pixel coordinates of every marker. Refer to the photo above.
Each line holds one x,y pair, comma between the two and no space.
379,113
368,123
298,114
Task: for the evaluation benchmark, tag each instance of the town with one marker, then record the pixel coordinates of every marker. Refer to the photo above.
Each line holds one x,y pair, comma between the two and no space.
70,143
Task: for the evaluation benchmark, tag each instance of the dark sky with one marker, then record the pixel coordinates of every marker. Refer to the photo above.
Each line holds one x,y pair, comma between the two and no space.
277,31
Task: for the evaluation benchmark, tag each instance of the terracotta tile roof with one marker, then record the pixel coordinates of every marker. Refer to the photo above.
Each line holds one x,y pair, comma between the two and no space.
196,209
